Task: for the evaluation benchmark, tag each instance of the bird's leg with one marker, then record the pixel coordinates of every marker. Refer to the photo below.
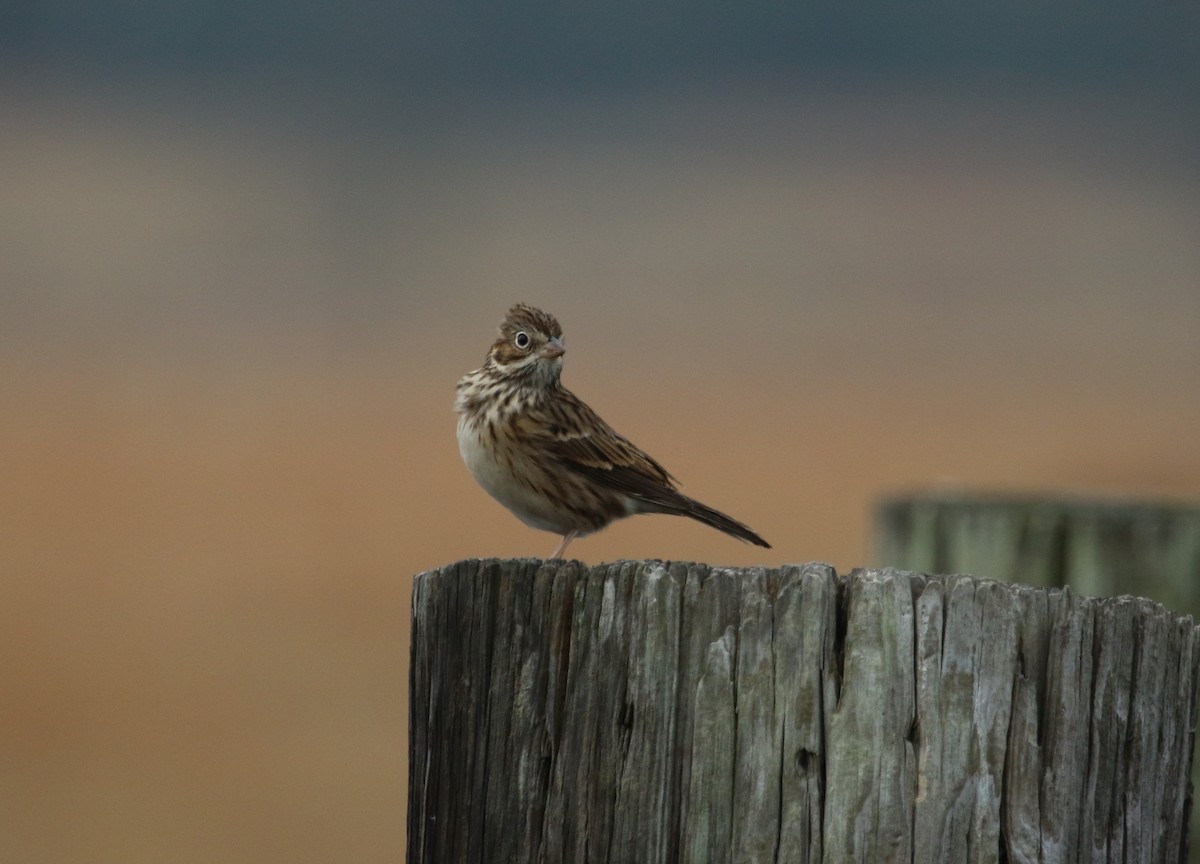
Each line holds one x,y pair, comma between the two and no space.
562,547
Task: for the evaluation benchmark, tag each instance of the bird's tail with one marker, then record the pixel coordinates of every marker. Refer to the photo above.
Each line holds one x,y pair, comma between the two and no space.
716,519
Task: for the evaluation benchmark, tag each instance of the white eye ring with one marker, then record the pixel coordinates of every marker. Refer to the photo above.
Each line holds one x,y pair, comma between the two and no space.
521,340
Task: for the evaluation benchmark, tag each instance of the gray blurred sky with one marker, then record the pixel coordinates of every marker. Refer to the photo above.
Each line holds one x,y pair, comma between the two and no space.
430,48
431,97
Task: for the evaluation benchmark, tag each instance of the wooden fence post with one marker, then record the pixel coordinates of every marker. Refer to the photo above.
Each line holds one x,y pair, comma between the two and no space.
1100,548
662,712
1095,547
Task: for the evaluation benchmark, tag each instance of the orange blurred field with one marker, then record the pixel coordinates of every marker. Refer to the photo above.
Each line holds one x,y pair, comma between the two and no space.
228,368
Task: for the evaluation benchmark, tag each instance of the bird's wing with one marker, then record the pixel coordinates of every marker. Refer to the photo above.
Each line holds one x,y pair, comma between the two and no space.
578,440
575,439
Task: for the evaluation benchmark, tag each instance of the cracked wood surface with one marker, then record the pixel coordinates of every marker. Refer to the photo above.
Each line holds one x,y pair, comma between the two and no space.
672,712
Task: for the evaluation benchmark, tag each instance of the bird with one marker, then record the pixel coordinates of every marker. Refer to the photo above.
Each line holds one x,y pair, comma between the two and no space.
539,450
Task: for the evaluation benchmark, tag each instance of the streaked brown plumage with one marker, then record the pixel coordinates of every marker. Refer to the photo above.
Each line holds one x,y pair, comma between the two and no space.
545,455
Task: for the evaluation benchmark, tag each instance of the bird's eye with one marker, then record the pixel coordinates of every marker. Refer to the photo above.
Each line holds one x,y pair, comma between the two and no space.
521,339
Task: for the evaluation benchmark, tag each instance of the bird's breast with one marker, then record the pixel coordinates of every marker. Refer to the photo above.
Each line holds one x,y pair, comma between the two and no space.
498,465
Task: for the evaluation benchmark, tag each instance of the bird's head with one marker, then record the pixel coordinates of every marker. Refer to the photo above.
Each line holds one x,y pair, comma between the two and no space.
530,346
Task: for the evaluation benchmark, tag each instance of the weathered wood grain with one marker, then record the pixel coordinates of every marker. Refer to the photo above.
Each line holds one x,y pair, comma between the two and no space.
1093,547
664,712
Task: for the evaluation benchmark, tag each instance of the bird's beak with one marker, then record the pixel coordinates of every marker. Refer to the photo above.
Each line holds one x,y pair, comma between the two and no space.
553,349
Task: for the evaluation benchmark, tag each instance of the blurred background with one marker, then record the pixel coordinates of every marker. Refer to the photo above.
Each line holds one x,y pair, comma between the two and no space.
806,257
